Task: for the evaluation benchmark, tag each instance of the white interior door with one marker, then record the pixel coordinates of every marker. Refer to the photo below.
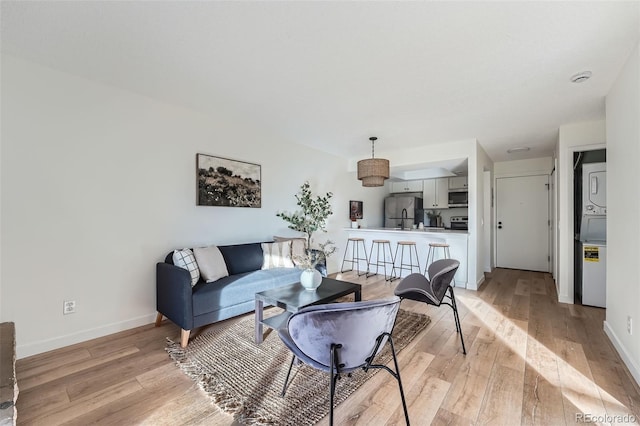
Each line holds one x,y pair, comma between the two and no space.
522,235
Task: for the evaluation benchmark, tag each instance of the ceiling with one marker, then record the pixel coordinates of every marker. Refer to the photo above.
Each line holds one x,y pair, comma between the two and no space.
331,74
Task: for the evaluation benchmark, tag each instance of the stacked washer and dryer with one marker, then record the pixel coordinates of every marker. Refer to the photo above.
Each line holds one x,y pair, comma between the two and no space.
593,234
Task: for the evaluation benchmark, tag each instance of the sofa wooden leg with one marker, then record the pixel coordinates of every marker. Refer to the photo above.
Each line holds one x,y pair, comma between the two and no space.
184,338
158,319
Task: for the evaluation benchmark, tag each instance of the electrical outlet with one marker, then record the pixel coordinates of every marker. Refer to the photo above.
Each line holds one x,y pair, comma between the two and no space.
629,325
69,307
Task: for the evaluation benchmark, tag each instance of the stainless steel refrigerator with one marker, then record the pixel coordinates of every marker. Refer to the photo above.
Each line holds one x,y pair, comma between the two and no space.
399,211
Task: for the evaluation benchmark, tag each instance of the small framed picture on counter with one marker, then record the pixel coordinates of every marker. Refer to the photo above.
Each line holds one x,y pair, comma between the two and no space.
355,210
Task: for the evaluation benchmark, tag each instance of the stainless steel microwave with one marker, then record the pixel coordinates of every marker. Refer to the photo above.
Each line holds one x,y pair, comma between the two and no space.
459,198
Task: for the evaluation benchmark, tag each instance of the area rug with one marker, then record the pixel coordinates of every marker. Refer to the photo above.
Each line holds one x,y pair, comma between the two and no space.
246,379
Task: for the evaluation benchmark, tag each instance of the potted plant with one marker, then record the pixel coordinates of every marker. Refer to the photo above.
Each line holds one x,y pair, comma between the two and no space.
433,216
315,256
310,218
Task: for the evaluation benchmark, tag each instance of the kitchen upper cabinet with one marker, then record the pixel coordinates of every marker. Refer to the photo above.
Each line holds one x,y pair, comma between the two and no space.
436,194
407,186
458,182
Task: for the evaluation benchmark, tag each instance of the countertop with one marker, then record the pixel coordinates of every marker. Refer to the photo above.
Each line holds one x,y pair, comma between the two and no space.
411,231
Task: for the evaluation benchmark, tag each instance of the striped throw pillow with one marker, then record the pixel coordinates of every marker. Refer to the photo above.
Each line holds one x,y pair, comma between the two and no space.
277,255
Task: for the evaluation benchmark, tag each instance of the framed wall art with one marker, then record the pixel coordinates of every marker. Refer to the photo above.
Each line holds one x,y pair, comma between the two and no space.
355,210
225,182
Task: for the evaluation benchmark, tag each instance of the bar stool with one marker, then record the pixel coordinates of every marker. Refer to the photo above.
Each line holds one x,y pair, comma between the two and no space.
355,255
432,252
405,266
380,245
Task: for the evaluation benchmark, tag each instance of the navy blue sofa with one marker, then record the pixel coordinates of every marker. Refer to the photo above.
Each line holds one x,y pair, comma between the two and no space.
206,303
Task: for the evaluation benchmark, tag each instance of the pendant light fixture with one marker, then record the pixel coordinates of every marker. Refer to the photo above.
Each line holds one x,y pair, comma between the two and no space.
373,171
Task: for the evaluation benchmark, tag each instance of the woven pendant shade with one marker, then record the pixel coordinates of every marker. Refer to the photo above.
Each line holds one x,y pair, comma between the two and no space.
373,171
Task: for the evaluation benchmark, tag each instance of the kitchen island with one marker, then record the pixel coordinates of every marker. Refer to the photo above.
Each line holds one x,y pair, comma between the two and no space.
457,240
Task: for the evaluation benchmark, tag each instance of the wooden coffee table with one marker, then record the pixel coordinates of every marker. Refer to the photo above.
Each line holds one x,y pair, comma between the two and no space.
294,297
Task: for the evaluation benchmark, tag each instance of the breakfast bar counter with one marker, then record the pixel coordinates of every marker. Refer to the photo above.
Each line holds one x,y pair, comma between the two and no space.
457,240
438,231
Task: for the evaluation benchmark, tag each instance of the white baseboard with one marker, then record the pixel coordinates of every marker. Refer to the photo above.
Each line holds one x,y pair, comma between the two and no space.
565,299
626,358
480,281
469,285
41,346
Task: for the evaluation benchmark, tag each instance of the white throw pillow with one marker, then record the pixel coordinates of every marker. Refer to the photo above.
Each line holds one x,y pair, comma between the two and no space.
186,260
211,263
298,246
277,255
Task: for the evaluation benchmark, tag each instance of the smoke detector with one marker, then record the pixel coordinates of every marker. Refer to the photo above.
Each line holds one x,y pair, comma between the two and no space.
581,76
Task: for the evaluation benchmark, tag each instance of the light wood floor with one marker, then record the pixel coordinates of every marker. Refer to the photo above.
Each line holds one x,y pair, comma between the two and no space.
530,360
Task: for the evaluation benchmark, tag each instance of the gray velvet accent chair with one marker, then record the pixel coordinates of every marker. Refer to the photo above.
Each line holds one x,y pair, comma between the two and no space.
339,338
434,289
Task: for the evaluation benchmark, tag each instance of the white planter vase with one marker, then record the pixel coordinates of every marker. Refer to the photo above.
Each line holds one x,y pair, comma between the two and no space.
310,279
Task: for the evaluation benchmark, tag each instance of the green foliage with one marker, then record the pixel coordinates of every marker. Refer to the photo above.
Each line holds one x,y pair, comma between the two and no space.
313,257
433,214
312,215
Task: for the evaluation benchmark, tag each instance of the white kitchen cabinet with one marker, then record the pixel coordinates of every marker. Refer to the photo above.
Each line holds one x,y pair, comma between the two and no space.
458,182
407,186
436,193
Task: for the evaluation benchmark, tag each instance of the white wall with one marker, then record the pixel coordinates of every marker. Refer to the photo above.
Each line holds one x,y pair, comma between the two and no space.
483,164
98,184
487,226
529,167
623,210
572,138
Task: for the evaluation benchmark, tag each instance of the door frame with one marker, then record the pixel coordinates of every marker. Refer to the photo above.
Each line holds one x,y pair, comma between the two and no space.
565,281
488,222
553,217
494,230
495,222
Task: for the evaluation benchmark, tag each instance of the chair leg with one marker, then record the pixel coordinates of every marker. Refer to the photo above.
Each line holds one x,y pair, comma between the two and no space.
455,310
286,381
457,318
415,250
427,263
393,268
334,377
369,273
385,261
344,258
364,249
395,362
